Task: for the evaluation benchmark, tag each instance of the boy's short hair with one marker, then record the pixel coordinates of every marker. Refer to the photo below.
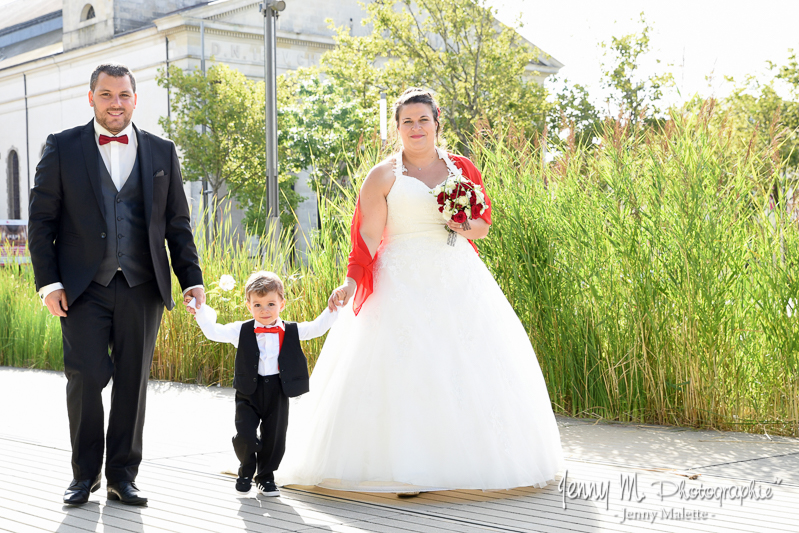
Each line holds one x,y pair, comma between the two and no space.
263,282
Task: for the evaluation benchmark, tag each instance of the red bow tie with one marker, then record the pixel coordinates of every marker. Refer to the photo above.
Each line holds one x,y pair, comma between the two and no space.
105,139
273,329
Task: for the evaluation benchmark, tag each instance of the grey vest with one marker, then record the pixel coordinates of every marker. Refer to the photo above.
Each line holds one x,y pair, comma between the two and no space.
127,246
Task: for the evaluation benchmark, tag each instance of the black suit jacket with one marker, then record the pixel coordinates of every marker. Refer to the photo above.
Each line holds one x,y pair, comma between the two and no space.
66,228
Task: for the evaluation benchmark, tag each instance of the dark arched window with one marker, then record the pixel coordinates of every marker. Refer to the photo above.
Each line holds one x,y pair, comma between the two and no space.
87,12
13,186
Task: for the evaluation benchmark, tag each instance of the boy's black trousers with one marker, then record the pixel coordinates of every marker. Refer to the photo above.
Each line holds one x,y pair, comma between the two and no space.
267,407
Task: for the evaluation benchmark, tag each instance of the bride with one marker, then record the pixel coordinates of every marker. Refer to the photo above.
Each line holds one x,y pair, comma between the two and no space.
428,381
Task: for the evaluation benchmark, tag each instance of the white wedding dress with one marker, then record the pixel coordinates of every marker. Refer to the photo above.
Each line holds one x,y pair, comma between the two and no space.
434,385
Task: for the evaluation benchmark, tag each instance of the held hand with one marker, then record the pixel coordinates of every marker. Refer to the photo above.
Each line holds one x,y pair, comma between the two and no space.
56,303
198,293
341,295
454,226
478,228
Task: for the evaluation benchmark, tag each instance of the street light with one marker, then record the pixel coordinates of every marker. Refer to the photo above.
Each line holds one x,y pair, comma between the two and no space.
271,10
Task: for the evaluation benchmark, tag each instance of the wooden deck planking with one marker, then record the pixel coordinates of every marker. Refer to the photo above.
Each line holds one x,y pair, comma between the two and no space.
774,515
248,508
771,513
215,493
187,494
175,513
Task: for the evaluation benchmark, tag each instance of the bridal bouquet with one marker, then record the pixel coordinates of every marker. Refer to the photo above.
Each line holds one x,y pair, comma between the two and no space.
459,200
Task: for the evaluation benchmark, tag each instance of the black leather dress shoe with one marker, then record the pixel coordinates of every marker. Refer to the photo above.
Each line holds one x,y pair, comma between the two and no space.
127,492
78,491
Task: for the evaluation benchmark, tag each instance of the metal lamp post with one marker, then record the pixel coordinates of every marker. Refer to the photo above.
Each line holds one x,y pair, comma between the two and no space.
271,9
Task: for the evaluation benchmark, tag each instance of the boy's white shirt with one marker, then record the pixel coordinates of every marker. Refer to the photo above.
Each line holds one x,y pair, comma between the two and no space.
268,343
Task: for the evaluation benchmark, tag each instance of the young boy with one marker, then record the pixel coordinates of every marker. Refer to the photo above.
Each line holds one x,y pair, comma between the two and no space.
270,368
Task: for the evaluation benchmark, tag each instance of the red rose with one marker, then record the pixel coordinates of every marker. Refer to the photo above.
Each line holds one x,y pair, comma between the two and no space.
459,217
476,211
472,198
441,209
441,197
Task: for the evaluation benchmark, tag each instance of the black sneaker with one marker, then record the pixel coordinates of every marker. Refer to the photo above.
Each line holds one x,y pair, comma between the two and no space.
243,485
267,488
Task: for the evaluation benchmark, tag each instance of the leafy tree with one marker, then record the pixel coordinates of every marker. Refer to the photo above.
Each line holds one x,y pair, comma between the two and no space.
789,74
757,113
633,94
321,124
229,154
476,66
573,109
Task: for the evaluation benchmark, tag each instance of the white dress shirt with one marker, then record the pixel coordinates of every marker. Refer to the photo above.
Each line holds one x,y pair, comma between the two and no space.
268,343
119,160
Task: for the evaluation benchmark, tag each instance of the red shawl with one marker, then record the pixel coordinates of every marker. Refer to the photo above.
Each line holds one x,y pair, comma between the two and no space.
361,263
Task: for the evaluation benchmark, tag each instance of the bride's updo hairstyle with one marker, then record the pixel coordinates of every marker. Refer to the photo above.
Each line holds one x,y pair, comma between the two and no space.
416,95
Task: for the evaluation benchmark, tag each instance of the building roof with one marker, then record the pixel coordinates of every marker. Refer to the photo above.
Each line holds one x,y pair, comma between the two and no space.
24,12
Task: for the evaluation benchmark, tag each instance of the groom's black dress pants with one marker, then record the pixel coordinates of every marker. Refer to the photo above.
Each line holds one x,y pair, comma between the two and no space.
267,407
109,332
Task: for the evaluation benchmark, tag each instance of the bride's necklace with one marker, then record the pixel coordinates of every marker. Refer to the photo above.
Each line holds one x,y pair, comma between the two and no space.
435,158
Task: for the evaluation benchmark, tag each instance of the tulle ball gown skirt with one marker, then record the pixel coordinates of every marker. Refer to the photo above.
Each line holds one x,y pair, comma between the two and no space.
433,386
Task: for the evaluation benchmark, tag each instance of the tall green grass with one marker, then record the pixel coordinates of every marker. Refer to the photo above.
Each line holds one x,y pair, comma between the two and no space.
653,273
29,335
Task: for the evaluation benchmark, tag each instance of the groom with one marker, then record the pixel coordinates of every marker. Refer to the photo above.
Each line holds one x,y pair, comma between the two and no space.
107,195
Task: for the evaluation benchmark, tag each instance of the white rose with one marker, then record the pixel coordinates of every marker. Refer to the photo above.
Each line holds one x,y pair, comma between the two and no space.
463,200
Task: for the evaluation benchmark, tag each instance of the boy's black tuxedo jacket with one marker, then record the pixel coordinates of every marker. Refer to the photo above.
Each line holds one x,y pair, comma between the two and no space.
67,226
291,361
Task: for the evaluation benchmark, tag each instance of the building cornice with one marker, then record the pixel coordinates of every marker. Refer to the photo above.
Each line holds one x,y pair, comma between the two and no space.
239,9
177,24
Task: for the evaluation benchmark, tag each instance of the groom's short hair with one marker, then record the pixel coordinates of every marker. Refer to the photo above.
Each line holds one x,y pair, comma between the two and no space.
262,282
112,69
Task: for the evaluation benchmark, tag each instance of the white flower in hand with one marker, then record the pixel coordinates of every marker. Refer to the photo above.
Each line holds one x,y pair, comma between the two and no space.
226,282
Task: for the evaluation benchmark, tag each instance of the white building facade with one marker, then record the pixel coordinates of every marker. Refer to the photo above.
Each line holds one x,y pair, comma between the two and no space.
49,48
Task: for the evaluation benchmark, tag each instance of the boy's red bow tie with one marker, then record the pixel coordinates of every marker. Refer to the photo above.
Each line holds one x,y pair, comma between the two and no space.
273,329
